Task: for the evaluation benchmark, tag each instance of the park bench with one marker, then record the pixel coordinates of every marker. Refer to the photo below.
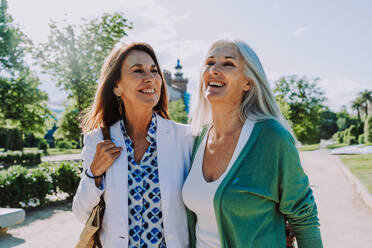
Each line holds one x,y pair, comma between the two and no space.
10,217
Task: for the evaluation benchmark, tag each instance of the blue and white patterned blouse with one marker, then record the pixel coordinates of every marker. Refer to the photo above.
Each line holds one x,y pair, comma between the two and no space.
144,206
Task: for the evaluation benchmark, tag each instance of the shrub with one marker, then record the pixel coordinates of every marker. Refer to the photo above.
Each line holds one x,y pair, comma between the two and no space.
368,129
67,177
63,144
20,187
14,140
361,139
31,140
14,183
352,134
17,157
40,184
3,138
43,145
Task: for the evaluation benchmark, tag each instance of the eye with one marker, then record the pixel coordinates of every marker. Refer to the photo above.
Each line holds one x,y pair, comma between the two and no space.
138,70
155,70
209,63
228,64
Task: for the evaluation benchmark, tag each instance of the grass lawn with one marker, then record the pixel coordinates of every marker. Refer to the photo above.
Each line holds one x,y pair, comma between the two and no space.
336,146
361,167
308,147
368,144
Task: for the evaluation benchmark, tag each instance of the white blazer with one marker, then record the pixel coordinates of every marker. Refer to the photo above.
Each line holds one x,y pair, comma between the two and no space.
174,147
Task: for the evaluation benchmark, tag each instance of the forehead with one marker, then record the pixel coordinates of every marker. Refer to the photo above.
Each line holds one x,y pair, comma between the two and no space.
137,57
223,50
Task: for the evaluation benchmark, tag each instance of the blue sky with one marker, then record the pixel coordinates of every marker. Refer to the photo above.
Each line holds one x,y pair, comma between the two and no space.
327,39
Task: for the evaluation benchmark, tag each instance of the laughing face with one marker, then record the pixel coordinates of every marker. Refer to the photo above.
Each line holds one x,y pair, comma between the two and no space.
223,75
140,82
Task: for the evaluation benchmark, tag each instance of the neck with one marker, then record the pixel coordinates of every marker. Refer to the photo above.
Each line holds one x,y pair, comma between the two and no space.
137,121
226,119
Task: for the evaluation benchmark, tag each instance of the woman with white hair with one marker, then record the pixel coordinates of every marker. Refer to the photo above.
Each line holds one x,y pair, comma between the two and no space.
246,178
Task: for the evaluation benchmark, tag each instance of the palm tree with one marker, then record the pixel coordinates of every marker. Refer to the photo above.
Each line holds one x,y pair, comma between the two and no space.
357,104
366,96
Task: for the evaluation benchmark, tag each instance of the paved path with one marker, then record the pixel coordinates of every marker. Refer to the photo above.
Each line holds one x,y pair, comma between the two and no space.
345,219
61,157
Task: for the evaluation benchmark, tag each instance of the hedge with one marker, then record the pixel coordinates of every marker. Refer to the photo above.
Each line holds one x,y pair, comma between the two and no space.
18,157
21,187
368,129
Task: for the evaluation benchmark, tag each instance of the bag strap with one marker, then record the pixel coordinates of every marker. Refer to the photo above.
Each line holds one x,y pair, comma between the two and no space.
102,204
106,133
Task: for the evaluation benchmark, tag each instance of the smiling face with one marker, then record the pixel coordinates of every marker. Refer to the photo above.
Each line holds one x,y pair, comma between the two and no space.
223,75
140,81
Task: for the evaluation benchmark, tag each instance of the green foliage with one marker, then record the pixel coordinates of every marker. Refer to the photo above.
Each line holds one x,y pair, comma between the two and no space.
43,145
66,178
14,140
20,187
18,157
69,125
22,104
31,141
366,99
13,184
64,144
368,130
177,111
73,56
361,139
301,101
327,123
345,120
13,43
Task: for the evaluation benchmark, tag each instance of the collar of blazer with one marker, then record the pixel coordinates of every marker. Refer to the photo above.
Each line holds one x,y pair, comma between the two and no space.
163,126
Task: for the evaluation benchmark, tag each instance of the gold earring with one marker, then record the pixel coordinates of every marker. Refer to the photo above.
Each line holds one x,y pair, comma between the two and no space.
118,98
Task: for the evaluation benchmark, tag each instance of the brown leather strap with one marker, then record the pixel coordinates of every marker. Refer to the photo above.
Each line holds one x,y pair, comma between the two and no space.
106,133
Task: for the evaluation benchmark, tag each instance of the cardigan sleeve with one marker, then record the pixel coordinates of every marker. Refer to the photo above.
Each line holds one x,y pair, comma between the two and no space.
88,194
296,198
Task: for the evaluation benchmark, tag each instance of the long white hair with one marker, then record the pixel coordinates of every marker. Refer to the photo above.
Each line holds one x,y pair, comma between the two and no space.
257,104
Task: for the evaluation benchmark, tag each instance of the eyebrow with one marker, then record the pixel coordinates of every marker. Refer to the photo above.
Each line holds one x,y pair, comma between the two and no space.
226,57
141,65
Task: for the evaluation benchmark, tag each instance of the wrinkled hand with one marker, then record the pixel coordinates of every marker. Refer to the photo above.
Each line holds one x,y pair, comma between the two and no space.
106,153
290,238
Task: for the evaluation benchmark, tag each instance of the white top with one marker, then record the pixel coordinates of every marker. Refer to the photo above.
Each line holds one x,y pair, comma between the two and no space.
198,194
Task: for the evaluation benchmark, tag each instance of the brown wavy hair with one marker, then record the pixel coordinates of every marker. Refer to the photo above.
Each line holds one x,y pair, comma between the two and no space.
104,110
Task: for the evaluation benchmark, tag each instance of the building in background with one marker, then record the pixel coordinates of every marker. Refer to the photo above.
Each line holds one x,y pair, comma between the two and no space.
177,85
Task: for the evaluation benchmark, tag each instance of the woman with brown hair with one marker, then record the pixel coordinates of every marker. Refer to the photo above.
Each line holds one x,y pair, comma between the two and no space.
140,171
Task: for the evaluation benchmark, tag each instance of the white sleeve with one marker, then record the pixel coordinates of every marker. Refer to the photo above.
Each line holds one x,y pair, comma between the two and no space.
88,194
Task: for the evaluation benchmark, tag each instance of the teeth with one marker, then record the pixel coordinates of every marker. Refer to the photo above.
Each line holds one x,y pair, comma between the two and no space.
148,91
218,84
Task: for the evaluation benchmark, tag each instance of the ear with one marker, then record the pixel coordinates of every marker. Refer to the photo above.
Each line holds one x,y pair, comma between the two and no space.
248,85
117,90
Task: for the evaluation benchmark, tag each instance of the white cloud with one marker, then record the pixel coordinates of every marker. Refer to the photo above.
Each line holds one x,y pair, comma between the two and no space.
301,30
340,92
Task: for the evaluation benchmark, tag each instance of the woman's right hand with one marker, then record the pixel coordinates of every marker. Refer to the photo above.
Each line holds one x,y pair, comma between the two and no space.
106,153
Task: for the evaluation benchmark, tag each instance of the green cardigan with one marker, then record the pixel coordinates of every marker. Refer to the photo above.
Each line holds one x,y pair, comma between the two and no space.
265,186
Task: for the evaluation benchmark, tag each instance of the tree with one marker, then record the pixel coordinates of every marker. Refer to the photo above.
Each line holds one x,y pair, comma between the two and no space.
22,104
366,98
304,100
69,125
13,43
357,104
177,111
327,123
73,57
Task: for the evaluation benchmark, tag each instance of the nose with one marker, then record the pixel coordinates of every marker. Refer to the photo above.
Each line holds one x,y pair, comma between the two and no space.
214,69
149,77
